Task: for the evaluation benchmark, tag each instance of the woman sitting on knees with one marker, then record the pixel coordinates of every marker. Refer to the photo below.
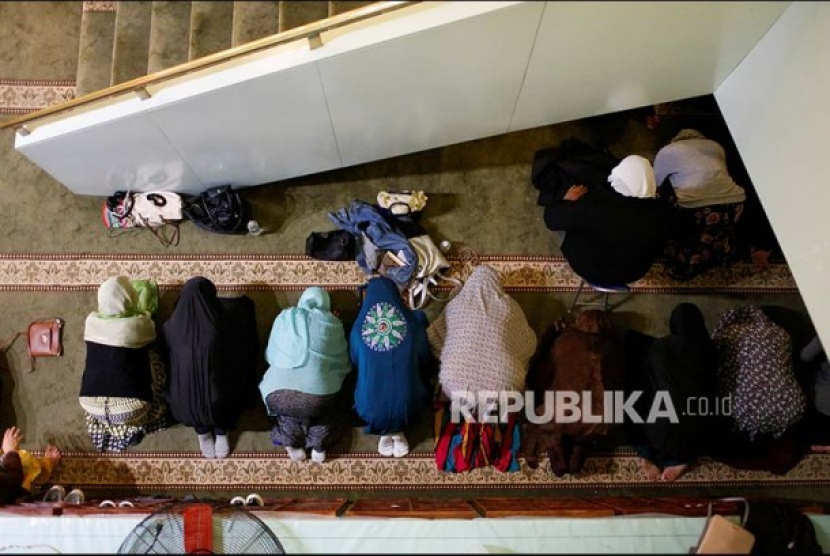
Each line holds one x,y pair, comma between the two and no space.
309,359
213,353
388,346
683,365
19,469
612,234
122,388
484,344
709,205
578,358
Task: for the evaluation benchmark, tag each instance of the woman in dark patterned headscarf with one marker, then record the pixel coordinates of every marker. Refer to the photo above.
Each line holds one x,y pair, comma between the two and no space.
213,354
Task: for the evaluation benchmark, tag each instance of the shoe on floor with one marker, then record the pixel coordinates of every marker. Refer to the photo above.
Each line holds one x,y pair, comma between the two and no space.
222,446
296,454
54,494
386,446
75,496
318,456
254,499
237,501
400,445
207,445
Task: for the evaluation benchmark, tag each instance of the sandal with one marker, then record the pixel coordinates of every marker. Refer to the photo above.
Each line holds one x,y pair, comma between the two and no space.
54,494
75,497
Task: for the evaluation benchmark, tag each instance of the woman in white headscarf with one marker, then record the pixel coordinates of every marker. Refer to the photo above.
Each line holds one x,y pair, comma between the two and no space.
309,359
612,233
709,205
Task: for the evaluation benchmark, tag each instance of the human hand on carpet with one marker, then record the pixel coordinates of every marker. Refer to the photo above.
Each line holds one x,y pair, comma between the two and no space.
574,192
11,440
53,454
761,258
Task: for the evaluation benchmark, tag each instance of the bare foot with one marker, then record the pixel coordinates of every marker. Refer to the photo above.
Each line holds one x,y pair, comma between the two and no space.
651,471
671,474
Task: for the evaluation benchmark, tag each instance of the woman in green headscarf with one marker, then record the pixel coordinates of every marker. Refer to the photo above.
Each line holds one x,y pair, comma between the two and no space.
123,379
309,358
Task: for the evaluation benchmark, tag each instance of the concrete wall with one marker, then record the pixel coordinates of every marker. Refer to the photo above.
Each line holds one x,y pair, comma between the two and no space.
776,106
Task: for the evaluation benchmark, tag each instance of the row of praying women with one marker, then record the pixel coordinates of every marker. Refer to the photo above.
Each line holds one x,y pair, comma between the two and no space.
614,217
481,342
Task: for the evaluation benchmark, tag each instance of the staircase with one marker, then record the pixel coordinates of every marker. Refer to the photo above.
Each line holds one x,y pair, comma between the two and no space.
121,41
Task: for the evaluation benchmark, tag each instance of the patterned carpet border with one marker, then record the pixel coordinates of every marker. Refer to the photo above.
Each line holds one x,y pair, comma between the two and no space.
24,96
273,471
85,272
99,6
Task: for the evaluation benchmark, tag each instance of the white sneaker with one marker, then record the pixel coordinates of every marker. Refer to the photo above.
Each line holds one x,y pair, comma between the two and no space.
318,457
223,447
401,446
296,454
206,445
386,446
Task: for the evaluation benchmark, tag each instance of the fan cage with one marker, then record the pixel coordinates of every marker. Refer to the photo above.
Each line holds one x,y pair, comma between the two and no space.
234,531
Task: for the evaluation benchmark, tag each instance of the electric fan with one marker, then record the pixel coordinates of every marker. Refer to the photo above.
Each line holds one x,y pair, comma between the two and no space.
200,528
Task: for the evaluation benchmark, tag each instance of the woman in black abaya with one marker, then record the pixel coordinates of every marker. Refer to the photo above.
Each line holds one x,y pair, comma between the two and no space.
213,346
684,364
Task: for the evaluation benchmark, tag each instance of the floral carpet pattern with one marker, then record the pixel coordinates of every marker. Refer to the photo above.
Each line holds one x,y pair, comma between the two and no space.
273,471
83,272
22,97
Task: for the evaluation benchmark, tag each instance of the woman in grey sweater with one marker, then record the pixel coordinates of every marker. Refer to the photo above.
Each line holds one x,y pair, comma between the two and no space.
708,202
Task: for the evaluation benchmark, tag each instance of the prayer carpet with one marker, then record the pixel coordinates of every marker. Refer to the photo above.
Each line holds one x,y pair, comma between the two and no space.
86,272
264,471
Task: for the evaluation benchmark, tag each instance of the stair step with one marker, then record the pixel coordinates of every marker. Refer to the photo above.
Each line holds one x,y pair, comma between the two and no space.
336,8
95,52
211,28
297,13
169,35
132,41
254,20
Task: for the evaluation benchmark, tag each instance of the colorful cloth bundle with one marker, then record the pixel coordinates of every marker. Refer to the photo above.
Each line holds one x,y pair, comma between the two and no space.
465,446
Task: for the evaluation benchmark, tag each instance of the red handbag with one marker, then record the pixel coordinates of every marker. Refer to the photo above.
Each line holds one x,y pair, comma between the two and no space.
43,339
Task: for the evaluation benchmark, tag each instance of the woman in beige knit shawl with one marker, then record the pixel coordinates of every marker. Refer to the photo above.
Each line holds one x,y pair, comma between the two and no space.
482,338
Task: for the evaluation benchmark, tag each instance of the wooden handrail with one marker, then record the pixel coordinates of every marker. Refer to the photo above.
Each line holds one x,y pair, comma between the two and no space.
306,31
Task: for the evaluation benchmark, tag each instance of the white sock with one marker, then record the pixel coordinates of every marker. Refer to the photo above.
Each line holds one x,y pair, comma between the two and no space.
207,445
401,445
223,448
386,446
296,454
318,457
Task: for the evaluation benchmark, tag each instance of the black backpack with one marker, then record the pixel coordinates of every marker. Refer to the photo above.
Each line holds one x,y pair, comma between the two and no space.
781,529
219,209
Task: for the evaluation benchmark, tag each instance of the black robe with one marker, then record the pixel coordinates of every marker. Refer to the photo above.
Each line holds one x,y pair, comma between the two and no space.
684,364
212,346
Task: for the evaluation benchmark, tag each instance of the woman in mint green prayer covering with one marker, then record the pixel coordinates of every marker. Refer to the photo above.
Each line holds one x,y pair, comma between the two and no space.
309,358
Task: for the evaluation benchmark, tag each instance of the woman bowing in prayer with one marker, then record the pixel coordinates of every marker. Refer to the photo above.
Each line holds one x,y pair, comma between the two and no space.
213,346
309,358
484,344
709,206
388,345
684,364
